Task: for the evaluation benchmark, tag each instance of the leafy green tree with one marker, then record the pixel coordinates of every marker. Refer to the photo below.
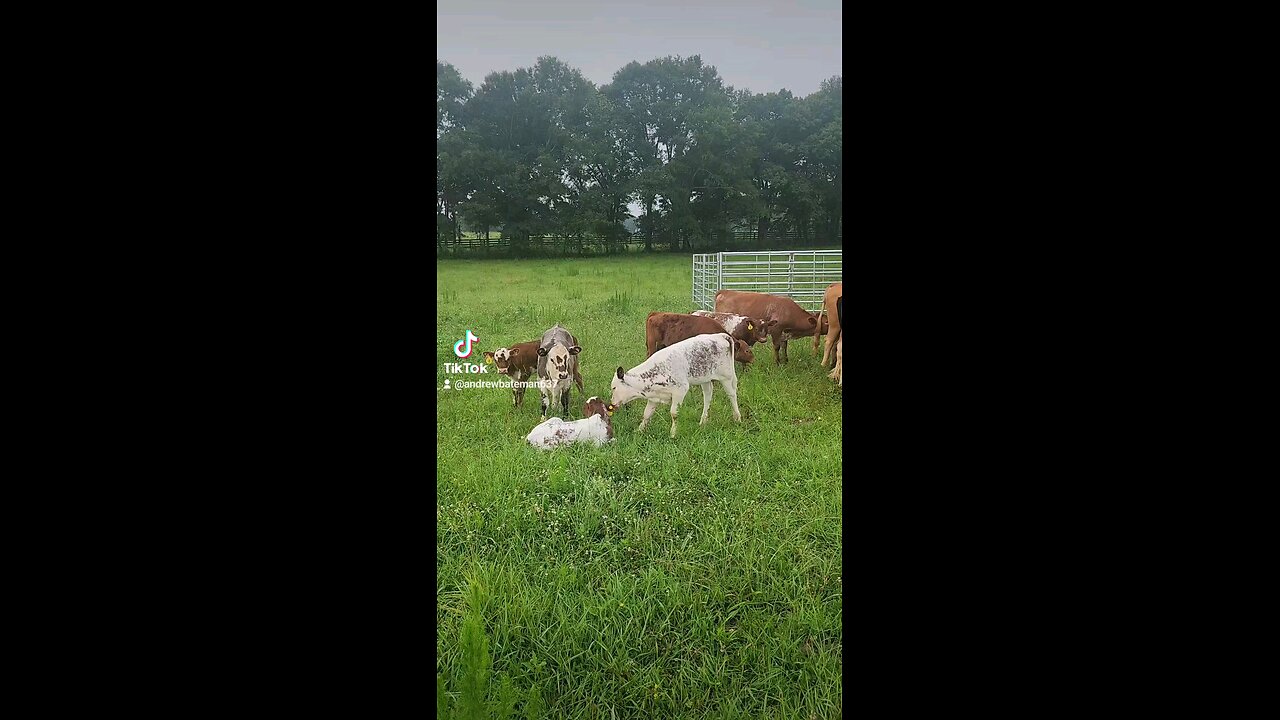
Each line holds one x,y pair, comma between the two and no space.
541,150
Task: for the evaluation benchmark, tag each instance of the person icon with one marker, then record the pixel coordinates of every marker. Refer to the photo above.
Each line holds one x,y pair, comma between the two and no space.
446,383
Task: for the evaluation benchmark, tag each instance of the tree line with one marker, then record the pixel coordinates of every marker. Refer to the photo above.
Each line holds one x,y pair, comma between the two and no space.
543,151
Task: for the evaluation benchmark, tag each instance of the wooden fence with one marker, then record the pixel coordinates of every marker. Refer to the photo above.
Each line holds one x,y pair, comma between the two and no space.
570,245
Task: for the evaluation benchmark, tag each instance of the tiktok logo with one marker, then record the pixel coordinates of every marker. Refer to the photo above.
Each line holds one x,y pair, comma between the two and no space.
458,349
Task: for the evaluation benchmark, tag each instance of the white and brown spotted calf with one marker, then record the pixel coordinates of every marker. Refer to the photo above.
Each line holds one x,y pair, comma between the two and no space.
519,362
668,374
558,367
595,428
752,330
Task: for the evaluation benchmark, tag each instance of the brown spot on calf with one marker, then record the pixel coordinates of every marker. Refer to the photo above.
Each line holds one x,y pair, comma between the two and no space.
596,406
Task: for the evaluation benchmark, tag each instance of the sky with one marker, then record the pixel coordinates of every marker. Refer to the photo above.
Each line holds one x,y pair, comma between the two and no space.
762,45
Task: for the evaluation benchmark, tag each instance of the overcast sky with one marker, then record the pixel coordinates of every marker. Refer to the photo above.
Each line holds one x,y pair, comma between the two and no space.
763,45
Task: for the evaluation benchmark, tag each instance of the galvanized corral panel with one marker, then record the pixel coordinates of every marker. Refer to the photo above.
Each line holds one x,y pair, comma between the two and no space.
802,275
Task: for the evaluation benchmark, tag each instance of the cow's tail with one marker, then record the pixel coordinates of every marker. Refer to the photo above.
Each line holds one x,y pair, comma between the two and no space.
733,347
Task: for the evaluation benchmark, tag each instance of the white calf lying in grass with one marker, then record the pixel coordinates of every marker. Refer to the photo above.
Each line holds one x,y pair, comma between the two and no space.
595,428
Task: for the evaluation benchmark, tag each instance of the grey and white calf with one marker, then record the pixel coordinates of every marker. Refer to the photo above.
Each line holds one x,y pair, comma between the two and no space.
558,367
668,374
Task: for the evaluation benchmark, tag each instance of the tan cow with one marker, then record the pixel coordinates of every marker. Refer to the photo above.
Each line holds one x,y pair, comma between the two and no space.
833,293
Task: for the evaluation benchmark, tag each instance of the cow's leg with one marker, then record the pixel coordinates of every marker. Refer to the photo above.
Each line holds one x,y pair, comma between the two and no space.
730,387
828,347
564,402
784,352
577,378
677,397
648,413
542,394
840,361
706,403
777,343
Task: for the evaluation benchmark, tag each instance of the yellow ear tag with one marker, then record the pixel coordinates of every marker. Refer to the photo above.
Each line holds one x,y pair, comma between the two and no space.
488,359
750,327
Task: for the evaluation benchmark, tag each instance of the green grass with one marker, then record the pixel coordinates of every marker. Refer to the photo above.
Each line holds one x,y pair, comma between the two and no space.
698,577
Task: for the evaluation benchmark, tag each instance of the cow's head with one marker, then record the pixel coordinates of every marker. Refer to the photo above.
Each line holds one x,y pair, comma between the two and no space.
558,360
625,388
596,406
758,329
502,358
743,353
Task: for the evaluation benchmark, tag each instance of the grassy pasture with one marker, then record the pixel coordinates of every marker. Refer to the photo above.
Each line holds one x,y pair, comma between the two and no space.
698,577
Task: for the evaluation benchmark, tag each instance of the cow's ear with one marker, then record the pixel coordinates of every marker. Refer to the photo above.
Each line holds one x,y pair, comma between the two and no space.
513,351
575,350
488,356
619,372
542,352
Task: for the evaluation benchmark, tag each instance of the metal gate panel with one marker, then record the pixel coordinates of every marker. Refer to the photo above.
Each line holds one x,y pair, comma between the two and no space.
802,275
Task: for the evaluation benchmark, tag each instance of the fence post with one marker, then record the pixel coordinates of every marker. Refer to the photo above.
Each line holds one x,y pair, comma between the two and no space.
719,276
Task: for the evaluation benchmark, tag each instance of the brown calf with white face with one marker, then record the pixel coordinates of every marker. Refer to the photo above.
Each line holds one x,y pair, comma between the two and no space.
666,329
834,292
519,361
786,319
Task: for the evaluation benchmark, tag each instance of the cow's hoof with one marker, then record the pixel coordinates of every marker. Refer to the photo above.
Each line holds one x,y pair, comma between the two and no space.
703,421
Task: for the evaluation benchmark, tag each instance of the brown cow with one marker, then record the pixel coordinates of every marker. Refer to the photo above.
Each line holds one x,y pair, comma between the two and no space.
663,329
519,361
785,318
834,292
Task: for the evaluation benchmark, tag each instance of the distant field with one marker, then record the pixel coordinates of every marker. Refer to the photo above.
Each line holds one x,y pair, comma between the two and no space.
698,577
